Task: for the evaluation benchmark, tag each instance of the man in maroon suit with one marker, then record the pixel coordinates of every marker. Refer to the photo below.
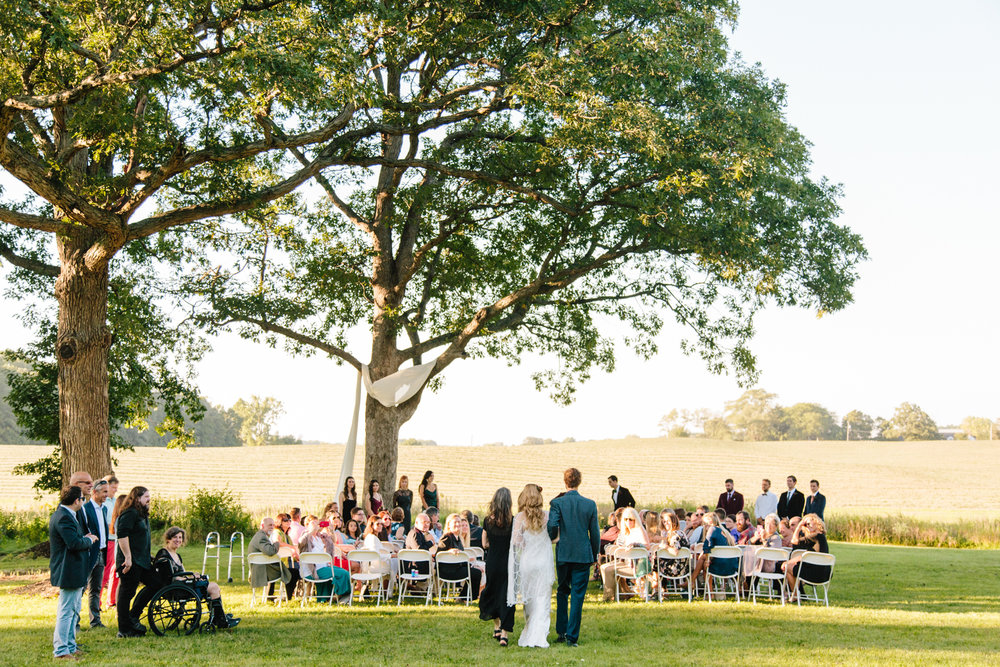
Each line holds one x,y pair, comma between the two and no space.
730,501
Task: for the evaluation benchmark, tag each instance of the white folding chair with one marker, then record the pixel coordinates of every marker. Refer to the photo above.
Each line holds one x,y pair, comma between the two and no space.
257,558
769,555
626,567
452,584
315,561
814,558
373,572
671,583
410,575
711,580
476,552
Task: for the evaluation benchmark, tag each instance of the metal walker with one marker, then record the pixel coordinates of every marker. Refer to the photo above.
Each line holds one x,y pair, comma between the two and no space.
213,544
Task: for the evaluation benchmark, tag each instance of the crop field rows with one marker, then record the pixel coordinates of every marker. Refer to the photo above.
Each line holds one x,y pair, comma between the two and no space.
911,478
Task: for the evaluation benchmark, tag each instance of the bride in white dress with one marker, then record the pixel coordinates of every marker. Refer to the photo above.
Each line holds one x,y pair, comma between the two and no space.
530,568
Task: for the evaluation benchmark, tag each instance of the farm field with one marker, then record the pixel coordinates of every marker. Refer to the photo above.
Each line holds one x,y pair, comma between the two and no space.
940,480
889,606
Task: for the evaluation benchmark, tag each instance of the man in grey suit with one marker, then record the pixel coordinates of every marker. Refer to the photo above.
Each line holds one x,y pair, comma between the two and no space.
261,543
573,519
69,565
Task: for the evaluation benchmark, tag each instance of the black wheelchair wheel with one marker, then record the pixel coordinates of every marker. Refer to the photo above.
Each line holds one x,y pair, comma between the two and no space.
175,609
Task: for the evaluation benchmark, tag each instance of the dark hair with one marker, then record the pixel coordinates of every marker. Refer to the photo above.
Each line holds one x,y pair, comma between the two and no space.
280,519
499,512
111,479
349,492
813,481
572,478
767,480
744,514
681,513
792,477
721,513
173,532
728,481
70,495
432,511
731,517
398,514
296,513
357,529
132,500
427,476
117,509
370,485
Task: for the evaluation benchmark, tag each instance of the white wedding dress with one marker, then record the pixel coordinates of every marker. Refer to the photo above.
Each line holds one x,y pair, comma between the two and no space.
530,574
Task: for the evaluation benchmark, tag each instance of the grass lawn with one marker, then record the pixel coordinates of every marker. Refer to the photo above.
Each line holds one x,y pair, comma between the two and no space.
891,605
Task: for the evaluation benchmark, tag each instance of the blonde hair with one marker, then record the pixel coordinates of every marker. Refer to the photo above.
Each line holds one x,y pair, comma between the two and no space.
530,502
450,526
712,519
668,517
652,523
627,531
815,522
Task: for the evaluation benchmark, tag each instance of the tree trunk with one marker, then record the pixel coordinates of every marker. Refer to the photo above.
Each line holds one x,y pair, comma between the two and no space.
82,355
381,447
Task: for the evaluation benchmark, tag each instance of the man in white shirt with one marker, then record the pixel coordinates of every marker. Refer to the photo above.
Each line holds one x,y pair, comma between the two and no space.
767,501
98,518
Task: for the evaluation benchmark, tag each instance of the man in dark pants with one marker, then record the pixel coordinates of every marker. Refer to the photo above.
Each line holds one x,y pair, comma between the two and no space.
620,496
573,519
70,557
97,519
133,563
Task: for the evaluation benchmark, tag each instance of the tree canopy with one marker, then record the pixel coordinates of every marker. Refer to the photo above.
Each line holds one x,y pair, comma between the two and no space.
909,422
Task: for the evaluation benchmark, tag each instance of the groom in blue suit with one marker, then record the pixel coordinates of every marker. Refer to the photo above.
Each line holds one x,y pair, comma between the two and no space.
573,519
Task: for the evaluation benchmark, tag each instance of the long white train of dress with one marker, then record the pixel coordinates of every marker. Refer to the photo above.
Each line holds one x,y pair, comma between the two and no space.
530,574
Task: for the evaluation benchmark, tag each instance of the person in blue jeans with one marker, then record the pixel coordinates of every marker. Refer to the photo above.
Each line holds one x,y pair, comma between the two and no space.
573,520
69,566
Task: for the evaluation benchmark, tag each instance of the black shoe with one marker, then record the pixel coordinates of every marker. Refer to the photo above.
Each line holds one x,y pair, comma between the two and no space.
130,633
572,644
98,625
139,629
561,639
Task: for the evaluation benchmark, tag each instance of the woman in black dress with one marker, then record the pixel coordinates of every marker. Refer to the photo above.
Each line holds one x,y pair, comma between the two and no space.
348,498
403,498
496,540
811,536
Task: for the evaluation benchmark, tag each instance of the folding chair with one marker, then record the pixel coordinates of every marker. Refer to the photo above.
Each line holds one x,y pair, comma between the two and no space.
683,554
373,570
257,558
814,558
317,560
408,575
623,570
476,552
769,555
452,585
719,553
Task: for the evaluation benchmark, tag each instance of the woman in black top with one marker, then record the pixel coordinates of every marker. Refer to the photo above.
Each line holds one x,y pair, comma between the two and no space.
452,541
168,565
403,498
348,497
811,536
133,563
496,540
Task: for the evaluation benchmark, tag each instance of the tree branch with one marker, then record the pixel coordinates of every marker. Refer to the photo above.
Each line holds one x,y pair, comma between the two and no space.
29,221
332,350
27,263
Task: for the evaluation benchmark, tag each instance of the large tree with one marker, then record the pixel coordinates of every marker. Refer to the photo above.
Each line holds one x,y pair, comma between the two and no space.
525,173
126,118
909,422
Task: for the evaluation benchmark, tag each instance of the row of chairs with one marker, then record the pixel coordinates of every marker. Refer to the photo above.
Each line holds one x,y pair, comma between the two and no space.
774,583
376,576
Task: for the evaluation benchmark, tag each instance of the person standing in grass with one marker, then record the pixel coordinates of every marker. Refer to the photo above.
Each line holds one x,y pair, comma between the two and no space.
496,540
68,569
403,498
428,491
133,562
573,521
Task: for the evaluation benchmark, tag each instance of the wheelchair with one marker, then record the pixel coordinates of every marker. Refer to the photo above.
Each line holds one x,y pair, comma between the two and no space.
176,609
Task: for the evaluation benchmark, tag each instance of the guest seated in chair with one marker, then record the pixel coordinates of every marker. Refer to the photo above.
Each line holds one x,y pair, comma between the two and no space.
261,543
456,539
314,540
169,564
715,536
632,534
811,536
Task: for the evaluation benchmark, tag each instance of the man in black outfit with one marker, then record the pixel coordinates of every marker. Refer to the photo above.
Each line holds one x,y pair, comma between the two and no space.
133,563
816,502
620,496
791,503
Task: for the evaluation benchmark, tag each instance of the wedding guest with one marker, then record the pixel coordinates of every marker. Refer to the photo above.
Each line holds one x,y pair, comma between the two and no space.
262,542
496,534
373,499
608,538
280,537
681,514
420,536
109,579
785,530
353,532
715,536
811,536
620,496
434,516
174,540
766,535
295,528
791,503
348,497
744,527
674,540
68,569
730,501
694,527
358,514
428,492
403,499
475,531
816,501
652,525
133,562
114,580
632,534
313,540
397,528
97,516
455,539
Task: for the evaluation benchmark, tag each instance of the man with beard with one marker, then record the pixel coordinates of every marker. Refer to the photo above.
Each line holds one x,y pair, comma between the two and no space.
133,562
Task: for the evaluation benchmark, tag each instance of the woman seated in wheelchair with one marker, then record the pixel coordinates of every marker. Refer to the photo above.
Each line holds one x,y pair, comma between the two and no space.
169,565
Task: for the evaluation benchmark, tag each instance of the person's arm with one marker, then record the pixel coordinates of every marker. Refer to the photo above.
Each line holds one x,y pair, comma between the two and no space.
126,553
553,524
368,504
72,537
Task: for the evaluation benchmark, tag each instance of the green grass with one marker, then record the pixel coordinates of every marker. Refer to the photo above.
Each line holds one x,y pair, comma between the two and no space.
891,605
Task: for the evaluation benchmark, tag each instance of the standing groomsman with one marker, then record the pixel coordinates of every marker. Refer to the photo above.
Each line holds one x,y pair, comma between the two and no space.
69,565
620,496
97,518
791,503
766,502
729,500
816,502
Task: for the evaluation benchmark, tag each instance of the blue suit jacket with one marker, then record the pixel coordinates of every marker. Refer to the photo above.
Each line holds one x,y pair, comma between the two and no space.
816,506
573,519
69,549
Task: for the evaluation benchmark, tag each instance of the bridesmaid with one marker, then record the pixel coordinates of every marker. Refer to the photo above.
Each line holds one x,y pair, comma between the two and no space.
428,491
373,500
348,498
496,540
403,498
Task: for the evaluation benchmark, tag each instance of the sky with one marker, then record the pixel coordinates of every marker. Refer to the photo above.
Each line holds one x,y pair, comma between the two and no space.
900,101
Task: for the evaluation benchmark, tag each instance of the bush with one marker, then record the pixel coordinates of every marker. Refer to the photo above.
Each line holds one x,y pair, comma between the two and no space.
31,527
220,510
911,532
